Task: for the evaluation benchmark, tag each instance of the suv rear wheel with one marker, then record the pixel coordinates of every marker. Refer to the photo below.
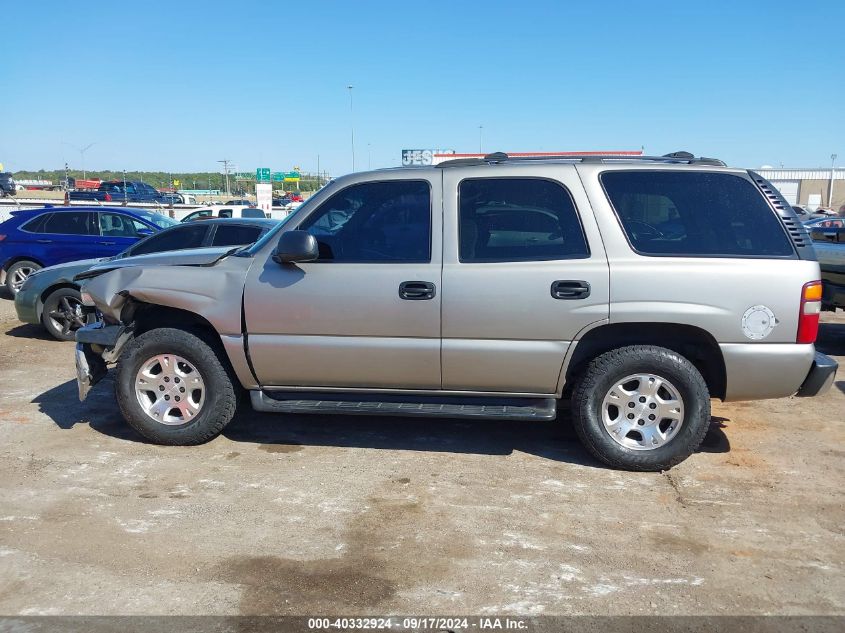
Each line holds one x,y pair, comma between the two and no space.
17,274
641,408
173,388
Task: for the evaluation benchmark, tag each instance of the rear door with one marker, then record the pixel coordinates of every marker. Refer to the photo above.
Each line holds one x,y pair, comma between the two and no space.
524,271
65,236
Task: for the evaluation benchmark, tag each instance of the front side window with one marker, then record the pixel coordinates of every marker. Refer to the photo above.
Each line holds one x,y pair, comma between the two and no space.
695,214
518,219
234,235
375,222
190,236
117,225
70,223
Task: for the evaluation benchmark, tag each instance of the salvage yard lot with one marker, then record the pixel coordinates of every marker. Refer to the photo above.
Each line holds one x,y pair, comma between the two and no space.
309,515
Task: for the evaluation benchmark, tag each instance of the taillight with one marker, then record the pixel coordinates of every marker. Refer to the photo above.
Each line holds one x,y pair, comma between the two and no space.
108,197
808,314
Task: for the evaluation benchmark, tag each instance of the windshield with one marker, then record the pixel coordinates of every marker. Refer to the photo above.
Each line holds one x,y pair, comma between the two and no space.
160,220
270,235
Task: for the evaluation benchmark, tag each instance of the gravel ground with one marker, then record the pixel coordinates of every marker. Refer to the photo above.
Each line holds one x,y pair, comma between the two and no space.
309,515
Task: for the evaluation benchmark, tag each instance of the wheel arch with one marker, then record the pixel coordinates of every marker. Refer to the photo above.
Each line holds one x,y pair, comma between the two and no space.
21,258
143,316
693,343
42,298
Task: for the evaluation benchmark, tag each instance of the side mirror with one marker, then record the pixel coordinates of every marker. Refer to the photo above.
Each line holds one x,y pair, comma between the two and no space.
296,246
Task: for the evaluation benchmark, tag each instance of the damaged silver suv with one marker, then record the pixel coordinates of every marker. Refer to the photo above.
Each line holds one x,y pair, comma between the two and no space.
633,289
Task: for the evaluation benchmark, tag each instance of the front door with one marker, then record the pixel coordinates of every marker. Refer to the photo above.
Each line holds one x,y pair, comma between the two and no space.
367,313
524,271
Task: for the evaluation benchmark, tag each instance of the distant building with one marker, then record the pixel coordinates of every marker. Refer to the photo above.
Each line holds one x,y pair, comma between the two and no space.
808,187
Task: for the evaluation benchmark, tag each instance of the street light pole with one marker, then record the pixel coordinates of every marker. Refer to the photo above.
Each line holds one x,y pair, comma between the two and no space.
352,125
480,139
830,191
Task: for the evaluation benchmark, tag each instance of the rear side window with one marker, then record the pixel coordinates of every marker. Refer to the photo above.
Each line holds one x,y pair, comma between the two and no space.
36,225
253,213
190,236
695,214
228,235
70,223
518,219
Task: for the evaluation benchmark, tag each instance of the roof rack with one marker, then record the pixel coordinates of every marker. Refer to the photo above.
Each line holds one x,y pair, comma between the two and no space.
496,158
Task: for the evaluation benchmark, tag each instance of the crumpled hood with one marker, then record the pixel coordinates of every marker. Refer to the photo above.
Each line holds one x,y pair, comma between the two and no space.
190,257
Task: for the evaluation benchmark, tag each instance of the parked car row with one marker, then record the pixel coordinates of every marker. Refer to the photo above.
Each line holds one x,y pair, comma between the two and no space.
50,296
35,238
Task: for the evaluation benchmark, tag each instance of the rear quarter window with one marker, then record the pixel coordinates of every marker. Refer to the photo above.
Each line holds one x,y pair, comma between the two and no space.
695,214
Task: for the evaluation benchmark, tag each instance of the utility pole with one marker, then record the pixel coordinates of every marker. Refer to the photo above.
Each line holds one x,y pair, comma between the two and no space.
830,191
124,188
318,172
226,162
352,125
480,139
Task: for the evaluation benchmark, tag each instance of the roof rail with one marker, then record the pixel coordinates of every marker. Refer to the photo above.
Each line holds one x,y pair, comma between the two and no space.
677,158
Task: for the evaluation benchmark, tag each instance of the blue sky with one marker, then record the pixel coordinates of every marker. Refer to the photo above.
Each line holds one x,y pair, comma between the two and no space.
179,85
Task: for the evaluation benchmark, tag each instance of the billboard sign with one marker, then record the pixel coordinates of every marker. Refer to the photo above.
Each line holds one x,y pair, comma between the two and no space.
418,157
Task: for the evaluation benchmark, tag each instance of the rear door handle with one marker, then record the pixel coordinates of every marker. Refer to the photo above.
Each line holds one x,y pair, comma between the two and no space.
417,290
44,241
107,243
570,289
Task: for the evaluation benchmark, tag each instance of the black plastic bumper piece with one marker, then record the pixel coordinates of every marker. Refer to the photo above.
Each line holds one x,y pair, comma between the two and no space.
100,334
820,377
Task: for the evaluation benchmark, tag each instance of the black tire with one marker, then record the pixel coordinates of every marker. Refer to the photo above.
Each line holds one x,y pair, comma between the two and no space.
13,270
220,401
605,371
60,316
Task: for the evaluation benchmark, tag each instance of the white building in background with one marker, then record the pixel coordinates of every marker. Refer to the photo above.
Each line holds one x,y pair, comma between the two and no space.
809,188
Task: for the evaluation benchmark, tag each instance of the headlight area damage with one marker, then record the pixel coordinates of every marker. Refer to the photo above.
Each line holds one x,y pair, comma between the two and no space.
133,299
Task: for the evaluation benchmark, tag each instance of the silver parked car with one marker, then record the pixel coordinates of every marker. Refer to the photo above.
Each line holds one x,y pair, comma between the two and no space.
636,289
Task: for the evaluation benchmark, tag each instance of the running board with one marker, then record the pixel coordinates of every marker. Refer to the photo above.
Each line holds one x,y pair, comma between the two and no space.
417,406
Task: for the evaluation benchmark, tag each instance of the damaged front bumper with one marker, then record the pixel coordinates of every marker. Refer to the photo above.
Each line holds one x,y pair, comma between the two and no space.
96,345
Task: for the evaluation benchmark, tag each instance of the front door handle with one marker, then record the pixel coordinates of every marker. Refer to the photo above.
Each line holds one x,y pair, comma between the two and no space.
44,241
107,243
570,289
417,290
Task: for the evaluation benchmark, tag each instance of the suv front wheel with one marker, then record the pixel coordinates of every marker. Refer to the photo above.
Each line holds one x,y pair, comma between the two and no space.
641,408
173,388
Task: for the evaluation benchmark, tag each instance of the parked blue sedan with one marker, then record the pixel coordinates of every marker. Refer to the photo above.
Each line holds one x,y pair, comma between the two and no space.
35,238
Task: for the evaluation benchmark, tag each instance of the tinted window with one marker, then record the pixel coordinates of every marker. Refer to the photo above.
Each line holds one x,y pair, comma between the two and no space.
36,225
253,213
224,213
518,219
229,235
375,222
117,225
70,223
694,214
191,236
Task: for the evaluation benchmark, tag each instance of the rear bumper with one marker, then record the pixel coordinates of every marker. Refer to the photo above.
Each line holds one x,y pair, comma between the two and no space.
820,378
757,371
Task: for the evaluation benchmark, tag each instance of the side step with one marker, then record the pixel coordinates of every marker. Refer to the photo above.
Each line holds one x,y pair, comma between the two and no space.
412,405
